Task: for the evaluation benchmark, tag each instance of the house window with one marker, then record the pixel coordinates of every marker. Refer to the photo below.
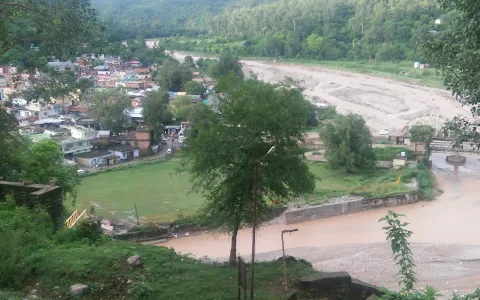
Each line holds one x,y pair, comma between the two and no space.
44,113
79,144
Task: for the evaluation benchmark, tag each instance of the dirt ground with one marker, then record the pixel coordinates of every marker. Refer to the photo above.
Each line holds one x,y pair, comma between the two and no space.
384,103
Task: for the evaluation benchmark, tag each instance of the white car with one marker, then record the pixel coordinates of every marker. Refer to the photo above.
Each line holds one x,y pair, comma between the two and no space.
169,151
383,132
82,171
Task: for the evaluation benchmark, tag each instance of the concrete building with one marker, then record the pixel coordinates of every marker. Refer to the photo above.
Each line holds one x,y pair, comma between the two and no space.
80,132
72,146
124,152
96,159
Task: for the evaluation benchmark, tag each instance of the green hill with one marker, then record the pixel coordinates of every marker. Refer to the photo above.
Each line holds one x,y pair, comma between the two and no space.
158,18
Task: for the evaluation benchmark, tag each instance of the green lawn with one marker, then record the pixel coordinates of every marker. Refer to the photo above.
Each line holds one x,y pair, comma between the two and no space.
161,196
334,183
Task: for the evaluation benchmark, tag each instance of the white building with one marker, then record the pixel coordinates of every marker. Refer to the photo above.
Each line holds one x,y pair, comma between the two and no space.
125,152
42,110
80,132
73,146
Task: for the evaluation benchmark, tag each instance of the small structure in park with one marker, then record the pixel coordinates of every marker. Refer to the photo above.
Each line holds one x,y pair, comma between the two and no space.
399,161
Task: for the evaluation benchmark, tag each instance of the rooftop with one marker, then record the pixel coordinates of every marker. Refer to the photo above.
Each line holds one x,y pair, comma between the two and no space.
122,148
94,154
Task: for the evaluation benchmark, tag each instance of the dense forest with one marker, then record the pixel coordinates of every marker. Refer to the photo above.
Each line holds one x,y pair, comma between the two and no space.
327,29
314,29
126,19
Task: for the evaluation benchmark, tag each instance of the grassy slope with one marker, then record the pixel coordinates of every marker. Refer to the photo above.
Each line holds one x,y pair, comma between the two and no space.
334,183
165,275
161,196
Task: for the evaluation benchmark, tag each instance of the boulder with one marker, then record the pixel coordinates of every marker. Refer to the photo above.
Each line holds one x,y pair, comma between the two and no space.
208,262
288,258
372,297
33,292
326,281
364,289
78,289
134,261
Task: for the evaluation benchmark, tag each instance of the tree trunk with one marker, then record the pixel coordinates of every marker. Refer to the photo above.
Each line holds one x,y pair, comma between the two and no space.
233,249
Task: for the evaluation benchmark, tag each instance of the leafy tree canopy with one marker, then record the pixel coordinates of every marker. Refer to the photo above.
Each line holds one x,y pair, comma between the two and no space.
58,28
455,50
227,63
348,144
173,76
421,133
108,108
194,88
155,112
225,144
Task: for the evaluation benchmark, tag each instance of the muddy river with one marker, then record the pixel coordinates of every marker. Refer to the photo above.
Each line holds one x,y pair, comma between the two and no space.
445,229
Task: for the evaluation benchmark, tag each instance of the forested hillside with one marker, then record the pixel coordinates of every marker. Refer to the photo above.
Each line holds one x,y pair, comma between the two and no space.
324,29
126,19
313,29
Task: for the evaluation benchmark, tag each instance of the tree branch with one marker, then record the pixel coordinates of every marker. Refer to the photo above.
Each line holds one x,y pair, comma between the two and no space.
16,4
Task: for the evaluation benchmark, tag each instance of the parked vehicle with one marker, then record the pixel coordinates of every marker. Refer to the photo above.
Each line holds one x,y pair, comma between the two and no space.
169,151
383,132
81,171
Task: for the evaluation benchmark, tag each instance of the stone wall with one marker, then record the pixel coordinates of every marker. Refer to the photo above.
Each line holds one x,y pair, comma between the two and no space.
337,209
140,236
47,196
322,211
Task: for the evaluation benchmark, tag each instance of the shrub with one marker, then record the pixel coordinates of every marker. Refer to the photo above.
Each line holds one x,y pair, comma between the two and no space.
388,153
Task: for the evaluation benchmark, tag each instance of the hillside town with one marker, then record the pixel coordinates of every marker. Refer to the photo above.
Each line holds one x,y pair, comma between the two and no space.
69,121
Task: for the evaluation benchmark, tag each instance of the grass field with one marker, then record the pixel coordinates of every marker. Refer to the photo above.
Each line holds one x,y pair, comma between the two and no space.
334,183
161,196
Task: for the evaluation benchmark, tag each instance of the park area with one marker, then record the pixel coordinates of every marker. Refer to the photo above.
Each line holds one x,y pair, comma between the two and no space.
162,195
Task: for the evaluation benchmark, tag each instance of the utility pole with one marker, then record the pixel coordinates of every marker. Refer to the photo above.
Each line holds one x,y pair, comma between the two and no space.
284,258
136,213
254,217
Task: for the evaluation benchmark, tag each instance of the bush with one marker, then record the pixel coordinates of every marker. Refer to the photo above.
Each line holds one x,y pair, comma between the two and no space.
388,153
425,181
87,229
327,113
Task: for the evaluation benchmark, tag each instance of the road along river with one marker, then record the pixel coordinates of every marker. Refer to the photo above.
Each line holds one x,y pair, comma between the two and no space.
446,237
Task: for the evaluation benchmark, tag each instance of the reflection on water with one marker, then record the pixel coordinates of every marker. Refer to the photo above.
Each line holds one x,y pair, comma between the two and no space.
452,218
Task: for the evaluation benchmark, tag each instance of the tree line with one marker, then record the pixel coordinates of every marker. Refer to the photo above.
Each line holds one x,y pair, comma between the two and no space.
327,29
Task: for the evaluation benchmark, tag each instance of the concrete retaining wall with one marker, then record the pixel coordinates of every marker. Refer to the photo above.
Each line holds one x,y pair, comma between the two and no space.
322,211
337,209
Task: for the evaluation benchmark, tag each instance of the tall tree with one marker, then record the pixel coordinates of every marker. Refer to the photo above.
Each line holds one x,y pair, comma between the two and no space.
460,130
455,50
173,76
11,143
227,64
189,61
108,108
155,112
224,148
194,88
59,28
44,162
348,144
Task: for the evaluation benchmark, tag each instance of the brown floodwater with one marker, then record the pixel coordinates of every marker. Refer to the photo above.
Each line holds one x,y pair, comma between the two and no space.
453,218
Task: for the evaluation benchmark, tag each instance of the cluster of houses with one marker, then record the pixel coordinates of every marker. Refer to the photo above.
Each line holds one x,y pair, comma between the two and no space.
67,120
